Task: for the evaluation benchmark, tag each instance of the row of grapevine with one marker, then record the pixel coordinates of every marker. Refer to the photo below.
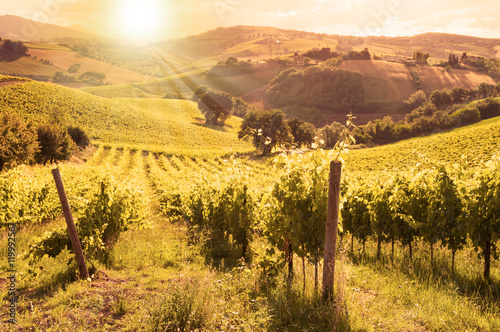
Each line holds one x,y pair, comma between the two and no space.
433,203
430,202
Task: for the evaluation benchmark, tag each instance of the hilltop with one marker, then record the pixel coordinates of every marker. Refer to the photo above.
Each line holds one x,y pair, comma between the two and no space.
15,27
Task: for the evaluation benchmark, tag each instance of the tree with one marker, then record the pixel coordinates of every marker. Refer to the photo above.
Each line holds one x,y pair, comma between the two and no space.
415,100
458,95
79,136
198,92
329,89
55,144
488,108
16,48
441,98
266,129
330,134
421,57
302,132
18,142
217,106
74,68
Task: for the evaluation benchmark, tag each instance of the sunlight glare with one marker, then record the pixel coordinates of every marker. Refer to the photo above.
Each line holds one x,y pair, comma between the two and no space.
141,20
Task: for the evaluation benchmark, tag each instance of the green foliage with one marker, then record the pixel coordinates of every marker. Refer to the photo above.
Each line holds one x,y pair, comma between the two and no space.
488,108
330,134
421,57
328,89
182,309
323,54
14,48
266,129
112,210
302,132
74,68
483,211
223,211
55,144
441,98
465,116
18,142
415,100
216,105
27,199
79,136
297,215
61,77
155,124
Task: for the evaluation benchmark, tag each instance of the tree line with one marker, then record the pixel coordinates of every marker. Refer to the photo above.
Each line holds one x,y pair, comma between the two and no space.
443,110
25,142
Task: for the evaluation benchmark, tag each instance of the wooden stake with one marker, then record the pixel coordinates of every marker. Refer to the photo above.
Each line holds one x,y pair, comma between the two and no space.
332,220
73,235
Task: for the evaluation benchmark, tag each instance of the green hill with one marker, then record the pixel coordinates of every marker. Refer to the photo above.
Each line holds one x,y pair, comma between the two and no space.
171,126
182,85
468,145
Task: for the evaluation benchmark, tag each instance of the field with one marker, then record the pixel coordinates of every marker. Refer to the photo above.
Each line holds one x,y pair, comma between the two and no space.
184,227
64,59
183,84
27,67
164,125
170,270
393,83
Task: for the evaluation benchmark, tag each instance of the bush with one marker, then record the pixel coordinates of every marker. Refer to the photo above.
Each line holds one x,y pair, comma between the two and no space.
488,108
464,116
55,144
416,100
78,136
18,143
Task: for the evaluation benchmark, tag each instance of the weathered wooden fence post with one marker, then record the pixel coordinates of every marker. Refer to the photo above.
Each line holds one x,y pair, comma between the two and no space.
332,220
73,235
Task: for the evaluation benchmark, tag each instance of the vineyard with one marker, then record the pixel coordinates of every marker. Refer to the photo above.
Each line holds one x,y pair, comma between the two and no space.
170,126
219,232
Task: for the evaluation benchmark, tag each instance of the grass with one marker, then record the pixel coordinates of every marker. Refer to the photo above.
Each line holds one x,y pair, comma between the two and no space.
152,124
412,295
468,146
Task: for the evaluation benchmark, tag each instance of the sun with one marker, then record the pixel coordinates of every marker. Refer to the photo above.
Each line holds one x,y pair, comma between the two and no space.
141,20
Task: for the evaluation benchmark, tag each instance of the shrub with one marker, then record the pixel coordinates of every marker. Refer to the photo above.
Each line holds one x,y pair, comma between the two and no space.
79,136
55,144
464,116
488,108
18,142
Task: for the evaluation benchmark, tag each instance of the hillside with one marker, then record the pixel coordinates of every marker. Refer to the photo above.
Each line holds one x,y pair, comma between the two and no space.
28,67
15,27
469,145
392,83
65,59
183,84
171,126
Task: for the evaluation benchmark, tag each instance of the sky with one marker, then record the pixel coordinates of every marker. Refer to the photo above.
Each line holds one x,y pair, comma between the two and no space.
164,19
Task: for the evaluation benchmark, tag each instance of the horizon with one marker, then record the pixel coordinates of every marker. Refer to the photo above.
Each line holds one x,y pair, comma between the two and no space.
155,20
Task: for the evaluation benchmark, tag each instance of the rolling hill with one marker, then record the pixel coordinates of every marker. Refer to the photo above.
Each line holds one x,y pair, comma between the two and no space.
468,145
15,27
392,83
171,126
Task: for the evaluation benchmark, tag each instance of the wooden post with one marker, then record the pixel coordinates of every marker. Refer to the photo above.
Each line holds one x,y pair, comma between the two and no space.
73,235
332,220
